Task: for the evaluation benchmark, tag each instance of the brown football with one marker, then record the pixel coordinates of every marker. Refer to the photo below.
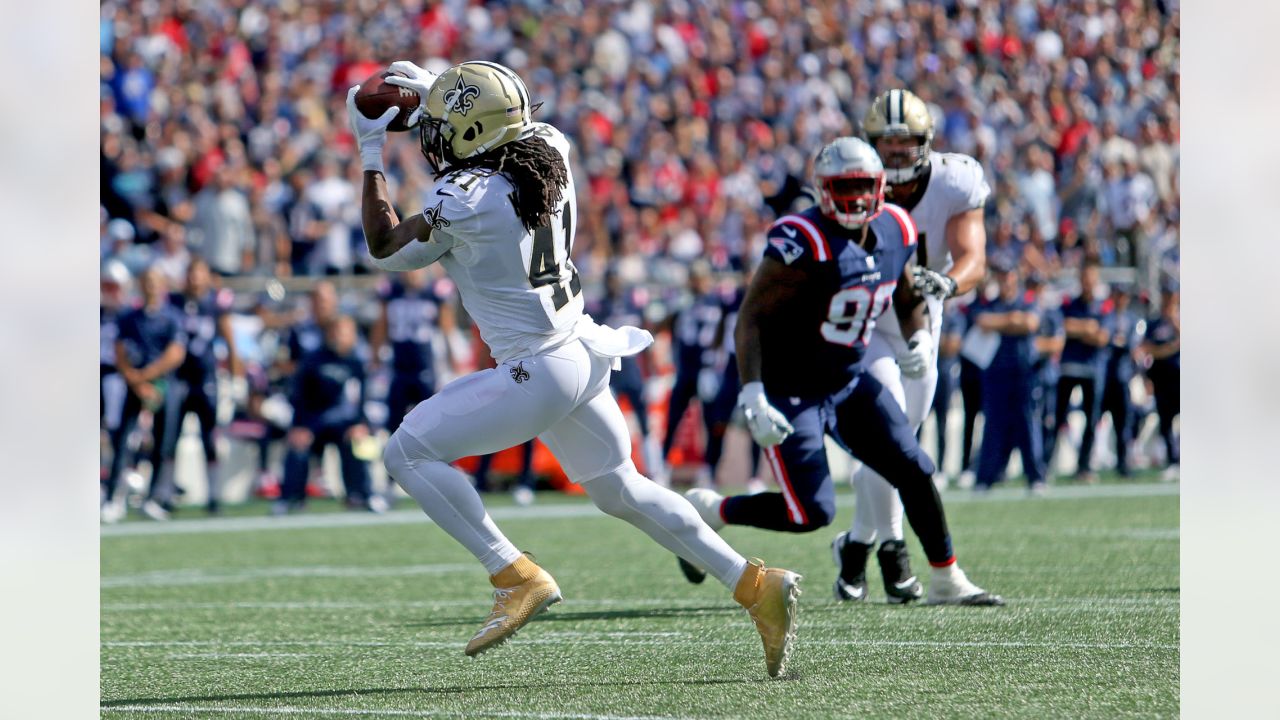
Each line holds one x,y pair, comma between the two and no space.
376,95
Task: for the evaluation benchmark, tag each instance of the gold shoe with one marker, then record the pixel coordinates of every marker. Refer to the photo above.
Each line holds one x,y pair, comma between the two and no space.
521,590
770,595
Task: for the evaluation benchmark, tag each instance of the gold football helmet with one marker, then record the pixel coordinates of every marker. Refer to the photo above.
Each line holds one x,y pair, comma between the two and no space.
900,113
472,108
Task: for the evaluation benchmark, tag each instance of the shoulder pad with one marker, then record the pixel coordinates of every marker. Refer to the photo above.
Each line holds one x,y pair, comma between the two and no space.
795,236
906,225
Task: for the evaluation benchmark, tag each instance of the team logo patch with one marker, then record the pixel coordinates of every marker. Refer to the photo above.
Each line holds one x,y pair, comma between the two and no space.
790,249
460,98
519,374
433,218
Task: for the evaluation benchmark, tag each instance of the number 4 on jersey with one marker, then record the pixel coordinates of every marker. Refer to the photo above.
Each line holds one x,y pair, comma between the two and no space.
544,269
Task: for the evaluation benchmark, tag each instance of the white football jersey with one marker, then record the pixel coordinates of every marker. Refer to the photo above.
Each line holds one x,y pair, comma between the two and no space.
519,287
956,185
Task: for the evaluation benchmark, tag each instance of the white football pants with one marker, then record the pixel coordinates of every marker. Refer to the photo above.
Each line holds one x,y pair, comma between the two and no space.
878,510
562,397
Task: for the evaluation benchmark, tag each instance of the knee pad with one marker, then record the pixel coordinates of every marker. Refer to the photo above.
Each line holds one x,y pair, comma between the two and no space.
402,453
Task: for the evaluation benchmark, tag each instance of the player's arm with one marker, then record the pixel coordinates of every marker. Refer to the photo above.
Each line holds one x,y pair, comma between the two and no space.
228,336
774,287
773,290
1082,329
173,355
967,241
908,302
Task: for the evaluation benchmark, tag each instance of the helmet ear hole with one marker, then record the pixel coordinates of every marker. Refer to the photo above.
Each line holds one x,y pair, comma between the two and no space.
470,134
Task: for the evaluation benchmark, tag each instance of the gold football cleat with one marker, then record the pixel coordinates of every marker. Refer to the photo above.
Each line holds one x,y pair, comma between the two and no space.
769,595
521,590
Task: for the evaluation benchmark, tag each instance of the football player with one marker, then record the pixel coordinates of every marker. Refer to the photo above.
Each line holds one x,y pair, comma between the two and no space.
501,221
802,339
205,313
945,194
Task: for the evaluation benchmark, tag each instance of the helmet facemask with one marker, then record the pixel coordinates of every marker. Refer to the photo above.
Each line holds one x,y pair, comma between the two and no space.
436,147
903,165
852,199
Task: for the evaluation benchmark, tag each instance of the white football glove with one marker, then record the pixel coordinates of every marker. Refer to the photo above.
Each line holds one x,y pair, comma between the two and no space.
929,282
767,424
914,363
416,79
371,133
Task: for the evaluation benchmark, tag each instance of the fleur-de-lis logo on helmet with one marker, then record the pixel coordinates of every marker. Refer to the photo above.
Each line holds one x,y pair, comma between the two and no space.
460,98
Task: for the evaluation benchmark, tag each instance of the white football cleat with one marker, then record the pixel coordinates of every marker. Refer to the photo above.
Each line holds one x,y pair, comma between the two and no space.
707,502
152,509
949,586
522,495
966,480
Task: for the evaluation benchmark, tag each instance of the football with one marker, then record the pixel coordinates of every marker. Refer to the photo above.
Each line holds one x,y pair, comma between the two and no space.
376,95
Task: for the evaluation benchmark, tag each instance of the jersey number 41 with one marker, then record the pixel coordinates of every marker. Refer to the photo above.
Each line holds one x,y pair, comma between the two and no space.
544,265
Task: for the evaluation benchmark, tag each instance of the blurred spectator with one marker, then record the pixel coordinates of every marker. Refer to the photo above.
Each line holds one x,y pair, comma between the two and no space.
1089,322
328,409
1162,347
150,345
1126,333
204,310
1009,384
221,227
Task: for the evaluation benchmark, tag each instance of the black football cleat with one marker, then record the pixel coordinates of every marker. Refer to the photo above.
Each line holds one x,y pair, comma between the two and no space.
900,584
691,572
851,565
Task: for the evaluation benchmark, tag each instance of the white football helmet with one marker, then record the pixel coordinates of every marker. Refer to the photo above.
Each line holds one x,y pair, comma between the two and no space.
850,181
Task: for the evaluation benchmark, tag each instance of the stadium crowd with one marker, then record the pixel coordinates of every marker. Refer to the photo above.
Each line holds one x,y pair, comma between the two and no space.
225,147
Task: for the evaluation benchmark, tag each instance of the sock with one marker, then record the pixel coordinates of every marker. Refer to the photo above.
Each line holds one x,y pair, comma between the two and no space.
877,513
667,518
446,496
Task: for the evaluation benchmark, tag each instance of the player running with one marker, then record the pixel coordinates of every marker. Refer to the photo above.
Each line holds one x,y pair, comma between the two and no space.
828,273
945,194
502,225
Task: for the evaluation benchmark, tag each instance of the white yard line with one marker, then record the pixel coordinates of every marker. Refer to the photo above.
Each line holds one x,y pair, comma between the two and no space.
563,511
236,656
483,603
169,578
603,639
285,711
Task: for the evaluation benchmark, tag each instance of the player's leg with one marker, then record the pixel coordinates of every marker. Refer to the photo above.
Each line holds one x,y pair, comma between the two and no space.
870,424
300,444
1061,409
1027,435
355,472
202,400
941,412
806,501
971,397
998,437
877,505
479,414
130,408
1091,404
594,448
682,393
483,413
397,401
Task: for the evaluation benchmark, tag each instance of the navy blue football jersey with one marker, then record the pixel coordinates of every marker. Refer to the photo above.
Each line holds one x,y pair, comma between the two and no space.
1080,359
108,331
200,318
696,326
146,333
413,322
816,346
1161,331
627,308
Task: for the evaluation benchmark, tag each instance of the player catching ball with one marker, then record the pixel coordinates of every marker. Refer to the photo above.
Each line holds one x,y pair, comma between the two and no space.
501,220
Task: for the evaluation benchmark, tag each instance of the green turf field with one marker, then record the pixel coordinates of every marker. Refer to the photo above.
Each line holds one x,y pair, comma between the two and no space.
351,615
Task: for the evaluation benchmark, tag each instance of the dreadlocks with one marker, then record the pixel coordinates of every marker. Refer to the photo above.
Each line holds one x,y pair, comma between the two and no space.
537,172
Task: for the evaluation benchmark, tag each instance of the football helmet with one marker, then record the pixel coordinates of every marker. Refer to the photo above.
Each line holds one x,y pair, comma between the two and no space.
900,113
472,108
850,181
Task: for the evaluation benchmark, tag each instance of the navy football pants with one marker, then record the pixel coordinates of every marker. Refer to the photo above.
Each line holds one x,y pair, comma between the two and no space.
866,420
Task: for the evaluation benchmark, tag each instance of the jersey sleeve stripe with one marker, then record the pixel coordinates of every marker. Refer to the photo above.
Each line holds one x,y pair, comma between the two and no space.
905,222
817,241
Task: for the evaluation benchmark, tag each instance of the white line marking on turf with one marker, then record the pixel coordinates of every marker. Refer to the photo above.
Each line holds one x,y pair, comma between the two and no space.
483,603
565,511
366,712
215,576
236,656
590,639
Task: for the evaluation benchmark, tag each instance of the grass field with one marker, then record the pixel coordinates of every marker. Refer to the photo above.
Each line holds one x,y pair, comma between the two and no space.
349,615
